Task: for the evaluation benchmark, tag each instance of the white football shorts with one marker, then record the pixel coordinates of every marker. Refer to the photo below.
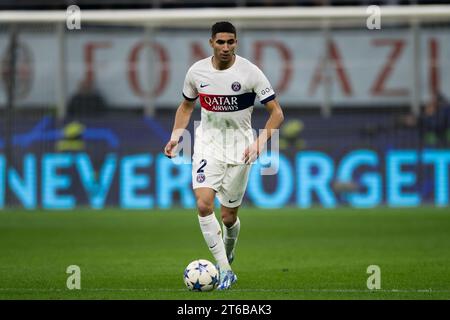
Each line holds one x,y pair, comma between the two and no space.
228,180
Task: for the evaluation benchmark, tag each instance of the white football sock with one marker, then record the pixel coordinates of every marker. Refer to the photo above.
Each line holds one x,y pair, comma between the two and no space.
230,236
212,233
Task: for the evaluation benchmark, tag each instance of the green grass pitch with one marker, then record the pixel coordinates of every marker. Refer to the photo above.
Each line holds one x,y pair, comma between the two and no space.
281,254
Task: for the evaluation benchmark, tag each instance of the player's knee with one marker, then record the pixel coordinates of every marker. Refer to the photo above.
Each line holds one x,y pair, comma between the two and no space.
228,219
205,207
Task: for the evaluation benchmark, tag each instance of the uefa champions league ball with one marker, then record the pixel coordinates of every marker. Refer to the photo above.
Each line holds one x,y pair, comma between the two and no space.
201,275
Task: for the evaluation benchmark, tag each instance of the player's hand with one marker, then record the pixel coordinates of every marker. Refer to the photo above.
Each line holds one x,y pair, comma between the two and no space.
251,153
170,148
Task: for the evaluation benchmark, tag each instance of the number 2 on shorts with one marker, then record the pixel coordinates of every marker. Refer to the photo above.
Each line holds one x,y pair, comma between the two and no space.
202,165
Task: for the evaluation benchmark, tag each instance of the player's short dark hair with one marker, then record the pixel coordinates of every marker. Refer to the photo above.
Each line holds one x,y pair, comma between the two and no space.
222,26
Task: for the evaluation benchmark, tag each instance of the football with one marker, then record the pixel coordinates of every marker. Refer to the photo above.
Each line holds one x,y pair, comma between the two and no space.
201,275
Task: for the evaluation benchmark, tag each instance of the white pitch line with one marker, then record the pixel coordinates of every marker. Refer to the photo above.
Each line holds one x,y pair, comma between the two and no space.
233,290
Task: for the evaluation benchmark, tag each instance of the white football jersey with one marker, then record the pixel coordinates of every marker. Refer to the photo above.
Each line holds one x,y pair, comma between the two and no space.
227,98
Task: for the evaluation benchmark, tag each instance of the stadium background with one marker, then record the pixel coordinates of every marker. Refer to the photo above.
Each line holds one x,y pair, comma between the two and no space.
85,114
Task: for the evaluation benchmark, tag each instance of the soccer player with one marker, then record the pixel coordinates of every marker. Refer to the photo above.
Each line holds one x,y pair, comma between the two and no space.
224,145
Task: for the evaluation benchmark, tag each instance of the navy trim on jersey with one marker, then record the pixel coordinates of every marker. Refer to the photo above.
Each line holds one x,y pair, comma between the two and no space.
189,99
268,99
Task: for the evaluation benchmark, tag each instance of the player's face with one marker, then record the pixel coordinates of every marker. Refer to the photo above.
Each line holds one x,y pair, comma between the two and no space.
223,45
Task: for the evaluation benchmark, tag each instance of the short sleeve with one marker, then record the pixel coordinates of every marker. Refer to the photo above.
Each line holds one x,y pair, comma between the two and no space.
262,87
189,89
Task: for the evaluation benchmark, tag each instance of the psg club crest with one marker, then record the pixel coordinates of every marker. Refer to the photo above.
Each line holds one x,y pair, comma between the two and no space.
236,86
200,177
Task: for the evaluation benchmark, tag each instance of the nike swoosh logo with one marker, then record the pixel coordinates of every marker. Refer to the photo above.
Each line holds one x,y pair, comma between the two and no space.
232,201
213,246
203,85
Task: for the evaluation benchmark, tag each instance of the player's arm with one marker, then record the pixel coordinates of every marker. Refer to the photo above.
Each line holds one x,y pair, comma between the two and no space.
274,122
182,117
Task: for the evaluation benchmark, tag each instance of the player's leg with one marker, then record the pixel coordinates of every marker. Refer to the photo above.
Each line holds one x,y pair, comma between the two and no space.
206,178
231,228
210,226
230,196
